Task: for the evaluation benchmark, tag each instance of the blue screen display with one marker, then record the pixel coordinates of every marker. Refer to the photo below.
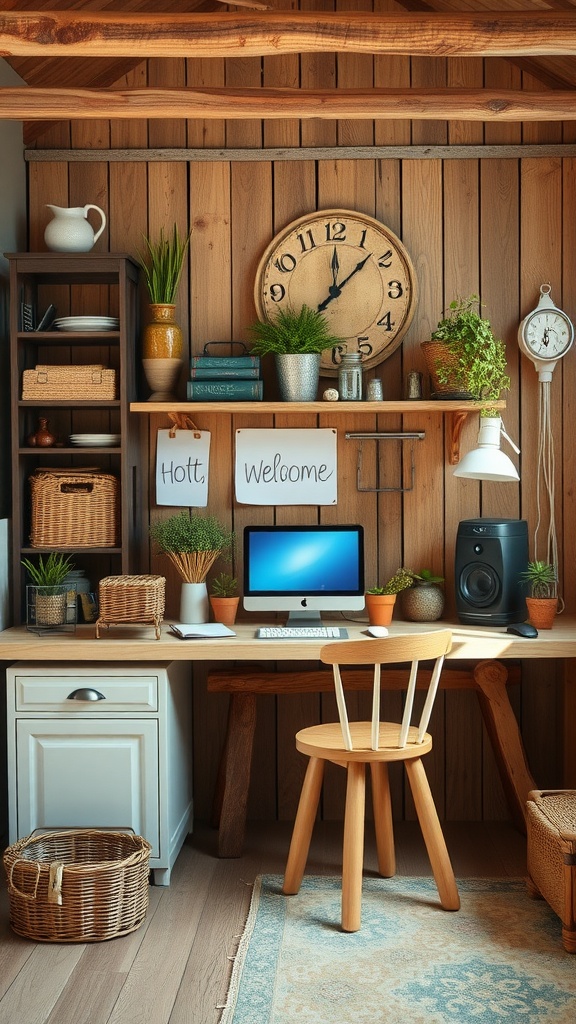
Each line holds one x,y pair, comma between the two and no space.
310,560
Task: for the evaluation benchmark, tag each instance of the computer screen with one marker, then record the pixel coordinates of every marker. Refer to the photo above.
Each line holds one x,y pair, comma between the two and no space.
303,570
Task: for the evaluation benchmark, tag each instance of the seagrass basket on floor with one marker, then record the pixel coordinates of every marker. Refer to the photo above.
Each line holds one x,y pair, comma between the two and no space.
81,885
74,508
131,599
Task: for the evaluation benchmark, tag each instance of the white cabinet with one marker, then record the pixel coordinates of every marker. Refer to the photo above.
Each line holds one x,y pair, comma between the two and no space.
105,746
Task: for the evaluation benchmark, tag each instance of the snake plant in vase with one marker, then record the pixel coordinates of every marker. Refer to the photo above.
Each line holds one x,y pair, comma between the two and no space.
192,542
162,344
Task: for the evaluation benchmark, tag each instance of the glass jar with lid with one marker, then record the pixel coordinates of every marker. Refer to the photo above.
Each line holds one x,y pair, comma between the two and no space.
350,377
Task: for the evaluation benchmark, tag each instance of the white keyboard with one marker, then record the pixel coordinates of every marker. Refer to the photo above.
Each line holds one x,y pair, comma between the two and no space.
301,633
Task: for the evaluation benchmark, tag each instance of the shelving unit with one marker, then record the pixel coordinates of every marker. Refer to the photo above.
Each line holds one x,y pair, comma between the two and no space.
457,412
77,284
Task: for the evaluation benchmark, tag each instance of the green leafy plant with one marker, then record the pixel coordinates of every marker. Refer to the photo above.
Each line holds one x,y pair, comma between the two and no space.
423,577
224,585
192,542
401,580
49,572
163,264
477,362
293,331
542,579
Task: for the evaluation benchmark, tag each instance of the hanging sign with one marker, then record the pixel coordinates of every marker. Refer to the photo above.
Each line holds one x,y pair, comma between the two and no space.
286,467
182,466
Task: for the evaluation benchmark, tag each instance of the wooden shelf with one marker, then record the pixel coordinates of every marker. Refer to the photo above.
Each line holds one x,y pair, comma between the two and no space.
457,411
297,408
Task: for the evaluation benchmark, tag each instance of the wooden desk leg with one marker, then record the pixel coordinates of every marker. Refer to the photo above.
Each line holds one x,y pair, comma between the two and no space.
231,798
502,728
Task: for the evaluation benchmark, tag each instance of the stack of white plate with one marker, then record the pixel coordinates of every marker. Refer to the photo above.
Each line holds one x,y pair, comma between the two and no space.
95,440
87,323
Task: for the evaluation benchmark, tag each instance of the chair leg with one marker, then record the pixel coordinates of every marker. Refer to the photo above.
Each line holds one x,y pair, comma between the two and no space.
383,825
353,855
303,826
433,836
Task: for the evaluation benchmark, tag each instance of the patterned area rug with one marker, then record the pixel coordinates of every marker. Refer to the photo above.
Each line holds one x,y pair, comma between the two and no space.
499,960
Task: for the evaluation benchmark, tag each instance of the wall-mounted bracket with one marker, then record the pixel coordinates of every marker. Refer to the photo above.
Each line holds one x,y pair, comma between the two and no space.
392,436
456,421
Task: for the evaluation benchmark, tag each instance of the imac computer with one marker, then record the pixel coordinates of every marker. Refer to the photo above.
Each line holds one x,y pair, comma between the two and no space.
303,570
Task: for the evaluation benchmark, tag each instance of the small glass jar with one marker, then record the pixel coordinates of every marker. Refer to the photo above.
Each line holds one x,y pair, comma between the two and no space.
350,377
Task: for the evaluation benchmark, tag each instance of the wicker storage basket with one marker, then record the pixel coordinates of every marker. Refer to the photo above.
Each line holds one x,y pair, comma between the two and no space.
77,886
136,599
436,354
69,382
551,828
74,508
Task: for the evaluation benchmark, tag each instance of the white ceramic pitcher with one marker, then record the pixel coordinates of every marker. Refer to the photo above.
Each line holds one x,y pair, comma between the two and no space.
70,229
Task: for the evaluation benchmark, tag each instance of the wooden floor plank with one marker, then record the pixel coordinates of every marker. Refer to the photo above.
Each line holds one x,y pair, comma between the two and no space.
175,969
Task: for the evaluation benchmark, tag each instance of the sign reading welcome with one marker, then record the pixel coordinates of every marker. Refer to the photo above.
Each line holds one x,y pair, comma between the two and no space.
286,467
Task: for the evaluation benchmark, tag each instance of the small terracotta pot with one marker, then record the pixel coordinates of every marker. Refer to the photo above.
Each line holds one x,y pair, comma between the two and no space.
380,608
542,611
224,609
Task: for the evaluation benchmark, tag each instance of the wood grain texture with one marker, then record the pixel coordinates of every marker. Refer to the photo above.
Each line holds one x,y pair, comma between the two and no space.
102,34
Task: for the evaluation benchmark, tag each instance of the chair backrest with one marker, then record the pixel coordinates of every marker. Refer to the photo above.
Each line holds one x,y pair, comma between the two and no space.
393,650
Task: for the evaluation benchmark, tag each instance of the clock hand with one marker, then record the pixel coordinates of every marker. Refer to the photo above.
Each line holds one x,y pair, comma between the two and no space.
335,264
335,290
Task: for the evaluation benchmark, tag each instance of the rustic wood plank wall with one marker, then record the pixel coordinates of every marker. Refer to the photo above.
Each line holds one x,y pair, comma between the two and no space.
499,227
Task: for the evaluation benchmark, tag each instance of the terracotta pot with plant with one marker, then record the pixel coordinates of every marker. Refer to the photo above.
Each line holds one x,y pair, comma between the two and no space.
192,542
162,344
380,601
47,594
423,600
542,604
224,598
296,339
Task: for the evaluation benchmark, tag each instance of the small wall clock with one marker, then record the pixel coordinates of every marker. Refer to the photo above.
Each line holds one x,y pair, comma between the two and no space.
545,335
353,269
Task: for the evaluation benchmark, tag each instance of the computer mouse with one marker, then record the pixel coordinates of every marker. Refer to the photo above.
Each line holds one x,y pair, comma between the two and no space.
524,629
378,631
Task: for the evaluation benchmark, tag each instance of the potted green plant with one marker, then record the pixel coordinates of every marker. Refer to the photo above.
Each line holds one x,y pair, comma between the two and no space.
542,604
47,595
423,600
224,598
464,359
192,542
380,600
296,339
162,344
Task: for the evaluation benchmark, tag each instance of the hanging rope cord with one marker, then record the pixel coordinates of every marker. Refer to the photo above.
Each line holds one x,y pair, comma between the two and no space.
545,476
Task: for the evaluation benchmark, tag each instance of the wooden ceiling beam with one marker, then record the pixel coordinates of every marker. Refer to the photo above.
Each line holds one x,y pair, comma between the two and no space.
90,34
444,104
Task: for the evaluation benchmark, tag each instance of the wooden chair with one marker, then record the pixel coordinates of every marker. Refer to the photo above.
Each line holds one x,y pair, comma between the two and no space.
354,745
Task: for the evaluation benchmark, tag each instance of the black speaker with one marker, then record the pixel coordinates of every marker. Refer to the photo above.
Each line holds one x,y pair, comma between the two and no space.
490,555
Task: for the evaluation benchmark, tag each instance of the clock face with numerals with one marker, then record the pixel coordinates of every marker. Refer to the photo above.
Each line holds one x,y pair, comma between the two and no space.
353,269
546,334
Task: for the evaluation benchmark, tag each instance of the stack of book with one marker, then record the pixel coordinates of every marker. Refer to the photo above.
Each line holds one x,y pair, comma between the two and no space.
216,378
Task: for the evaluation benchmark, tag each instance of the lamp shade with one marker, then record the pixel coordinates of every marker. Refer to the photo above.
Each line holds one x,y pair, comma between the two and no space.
487,462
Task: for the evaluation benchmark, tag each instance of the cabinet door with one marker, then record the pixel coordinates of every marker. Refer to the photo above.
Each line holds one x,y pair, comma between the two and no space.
90,773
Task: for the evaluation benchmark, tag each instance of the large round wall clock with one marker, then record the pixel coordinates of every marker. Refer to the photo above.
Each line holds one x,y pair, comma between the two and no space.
353,269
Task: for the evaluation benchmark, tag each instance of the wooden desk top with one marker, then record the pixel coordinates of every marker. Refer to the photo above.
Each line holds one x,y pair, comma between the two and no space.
137,643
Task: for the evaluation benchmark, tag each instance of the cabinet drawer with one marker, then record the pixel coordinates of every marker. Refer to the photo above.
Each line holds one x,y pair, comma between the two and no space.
119,693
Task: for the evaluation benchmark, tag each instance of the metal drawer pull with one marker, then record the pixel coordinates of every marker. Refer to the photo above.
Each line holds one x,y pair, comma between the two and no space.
85,693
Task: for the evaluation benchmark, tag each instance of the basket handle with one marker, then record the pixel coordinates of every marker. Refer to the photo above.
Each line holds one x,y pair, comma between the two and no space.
14,888
77,488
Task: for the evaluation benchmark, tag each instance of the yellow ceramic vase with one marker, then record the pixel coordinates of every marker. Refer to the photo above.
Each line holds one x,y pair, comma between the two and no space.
162,337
